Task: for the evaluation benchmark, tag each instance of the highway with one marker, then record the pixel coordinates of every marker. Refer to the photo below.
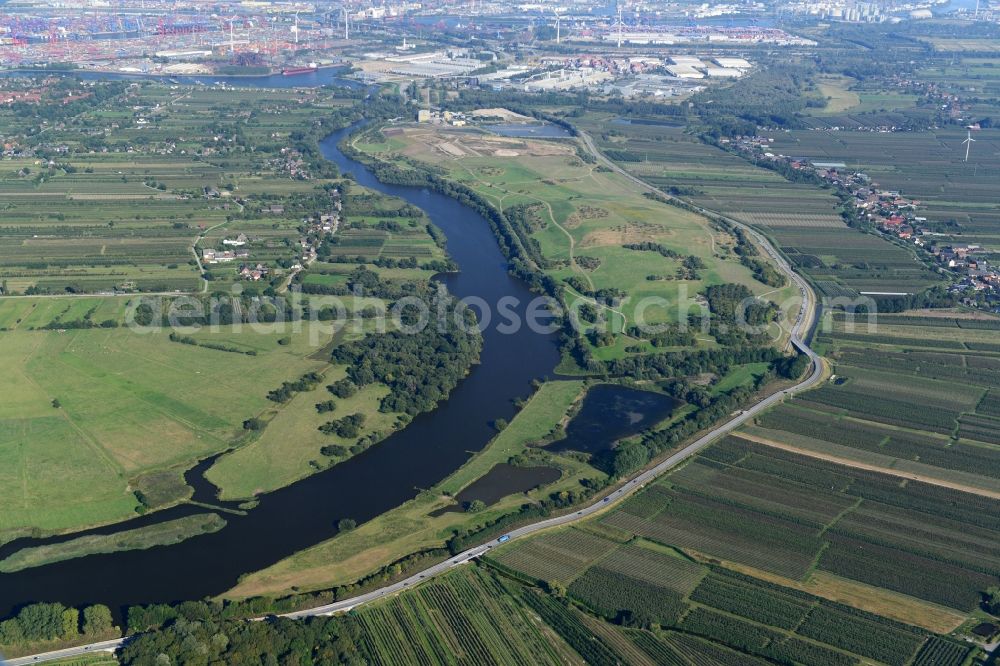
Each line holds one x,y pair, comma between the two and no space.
800,328
92,648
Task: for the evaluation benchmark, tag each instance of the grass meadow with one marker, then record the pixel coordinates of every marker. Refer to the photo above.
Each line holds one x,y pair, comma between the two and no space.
129,403
411,528
581,217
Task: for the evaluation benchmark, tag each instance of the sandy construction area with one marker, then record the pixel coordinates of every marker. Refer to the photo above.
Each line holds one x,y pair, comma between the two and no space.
505,114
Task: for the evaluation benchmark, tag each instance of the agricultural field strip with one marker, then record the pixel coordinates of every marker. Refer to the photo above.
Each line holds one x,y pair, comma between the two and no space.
857,464
632,485
641,479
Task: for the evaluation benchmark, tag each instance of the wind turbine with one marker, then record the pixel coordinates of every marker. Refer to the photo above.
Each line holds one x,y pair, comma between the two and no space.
968,144
347,26
295,28
557,27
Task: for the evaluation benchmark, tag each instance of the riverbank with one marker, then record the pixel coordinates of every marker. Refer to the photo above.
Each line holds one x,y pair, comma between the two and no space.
381,478
161,534
412,528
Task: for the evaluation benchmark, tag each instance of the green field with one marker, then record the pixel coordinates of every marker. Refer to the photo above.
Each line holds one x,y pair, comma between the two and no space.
126,204
803,220
579,218
839,96
957,197
411,528
909,392
756,526
289,448
74,465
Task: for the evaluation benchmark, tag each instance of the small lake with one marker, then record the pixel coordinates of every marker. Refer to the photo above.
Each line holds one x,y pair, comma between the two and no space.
383,477
529,131
645,121
503,480
610,412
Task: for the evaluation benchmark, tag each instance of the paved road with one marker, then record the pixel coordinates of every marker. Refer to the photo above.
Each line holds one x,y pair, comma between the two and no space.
799,328
807,311
104,646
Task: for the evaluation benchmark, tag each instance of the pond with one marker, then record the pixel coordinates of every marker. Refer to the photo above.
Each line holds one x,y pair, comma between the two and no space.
529,131
303,514
610,412
504,479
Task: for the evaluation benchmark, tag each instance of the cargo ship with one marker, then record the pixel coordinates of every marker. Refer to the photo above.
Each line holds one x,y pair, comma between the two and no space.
295,71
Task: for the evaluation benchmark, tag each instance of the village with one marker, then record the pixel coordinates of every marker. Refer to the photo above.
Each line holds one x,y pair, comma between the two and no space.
893,215
313,231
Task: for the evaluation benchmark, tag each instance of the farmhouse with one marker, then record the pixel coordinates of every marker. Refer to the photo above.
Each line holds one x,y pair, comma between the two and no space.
216,257
253,273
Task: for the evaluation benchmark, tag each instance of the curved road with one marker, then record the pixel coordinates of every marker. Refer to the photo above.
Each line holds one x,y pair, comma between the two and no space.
802,324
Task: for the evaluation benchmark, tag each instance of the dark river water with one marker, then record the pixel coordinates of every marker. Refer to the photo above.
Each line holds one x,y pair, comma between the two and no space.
383,477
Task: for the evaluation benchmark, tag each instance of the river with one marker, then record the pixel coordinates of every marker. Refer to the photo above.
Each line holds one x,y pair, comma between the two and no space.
383,477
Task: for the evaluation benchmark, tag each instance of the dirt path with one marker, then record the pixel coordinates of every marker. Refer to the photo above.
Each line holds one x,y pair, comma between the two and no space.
572,241
197,258
847,462
702,215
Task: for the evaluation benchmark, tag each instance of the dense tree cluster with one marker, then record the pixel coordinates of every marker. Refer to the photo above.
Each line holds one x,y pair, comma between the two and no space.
343,388
671,336
991,600
650,246
769,97
419,367
734,308
38,623
347,427
373,205
322,640
763,271
287,390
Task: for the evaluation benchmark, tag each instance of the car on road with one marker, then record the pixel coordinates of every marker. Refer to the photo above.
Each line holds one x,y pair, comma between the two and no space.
505,537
